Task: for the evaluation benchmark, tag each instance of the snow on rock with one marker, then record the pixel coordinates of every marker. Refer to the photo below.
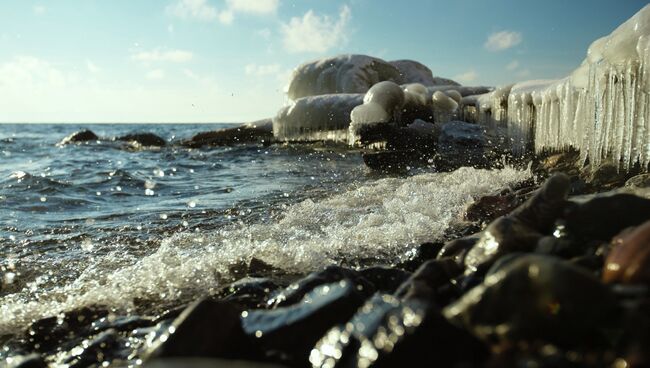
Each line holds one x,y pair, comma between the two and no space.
324,117
340,74
414,72
602,108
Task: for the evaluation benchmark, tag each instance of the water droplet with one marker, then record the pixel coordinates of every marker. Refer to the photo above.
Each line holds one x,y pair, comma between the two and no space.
148,192
9,278
186,224
148,184
191,204
159,172
87,245
99,193
118,188
258,334
163,216
43,199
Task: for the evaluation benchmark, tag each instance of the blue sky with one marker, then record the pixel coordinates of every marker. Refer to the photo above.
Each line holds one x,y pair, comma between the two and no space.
229,60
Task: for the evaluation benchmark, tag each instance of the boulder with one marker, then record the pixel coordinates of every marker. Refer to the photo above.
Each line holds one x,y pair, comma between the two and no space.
257,132
143,139
414,72
77,137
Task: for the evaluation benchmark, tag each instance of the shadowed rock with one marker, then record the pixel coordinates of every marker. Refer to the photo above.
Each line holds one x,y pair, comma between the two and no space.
77,137
143,139
251,133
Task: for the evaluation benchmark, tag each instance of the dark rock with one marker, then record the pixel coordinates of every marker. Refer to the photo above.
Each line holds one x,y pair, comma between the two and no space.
420,254
206,328
488,208
289,333
387,332
426,282
460,133
80,136
602,217
384,279
249,292
296,291
629,258
48,333
206,363
27,361
93,351
257,132
143,139
458,248
639,181
538,298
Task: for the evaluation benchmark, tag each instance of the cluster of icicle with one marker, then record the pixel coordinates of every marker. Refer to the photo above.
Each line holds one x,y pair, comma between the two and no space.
601,109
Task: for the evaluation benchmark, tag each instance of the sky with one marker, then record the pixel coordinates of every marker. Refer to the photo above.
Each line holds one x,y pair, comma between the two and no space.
230,60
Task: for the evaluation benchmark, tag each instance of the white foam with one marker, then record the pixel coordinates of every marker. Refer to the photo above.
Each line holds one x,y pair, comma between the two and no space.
383,219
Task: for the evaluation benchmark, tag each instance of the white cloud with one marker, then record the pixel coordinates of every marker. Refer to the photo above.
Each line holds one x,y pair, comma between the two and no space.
253,6
155,74
468,76
314,33
523,73
226,16
193,9
262,70
39,9
24,72
158,55
92,67
513,65
265,33
503,40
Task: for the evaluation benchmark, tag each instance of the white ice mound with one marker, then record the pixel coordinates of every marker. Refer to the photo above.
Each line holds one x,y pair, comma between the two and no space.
382,103
324,117
444,107
383,220
412,71
340,74
601,109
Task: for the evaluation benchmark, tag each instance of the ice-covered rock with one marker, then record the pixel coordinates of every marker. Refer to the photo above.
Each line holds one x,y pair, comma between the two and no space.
444,107
340,74
414,72
601,109
324,117
382,104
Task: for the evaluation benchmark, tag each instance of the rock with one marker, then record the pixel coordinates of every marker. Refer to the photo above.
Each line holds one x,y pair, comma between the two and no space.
629,258
536,297
522,228
297,290
206,328
206,363
93,351
384,279
387,332
256,132
604,216
143,139
289,333
249,292
340,74
639,181
457,249
26,361
459,133
414,72
77,137
420,254
426,282
488,208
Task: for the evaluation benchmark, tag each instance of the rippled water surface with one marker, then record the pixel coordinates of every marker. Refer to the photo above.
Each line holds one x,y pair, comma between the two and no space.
95,223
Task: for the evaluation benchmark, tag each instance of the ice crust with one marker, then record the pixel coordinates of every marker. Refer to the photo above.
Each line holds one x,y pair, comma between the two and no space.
382,220
601,109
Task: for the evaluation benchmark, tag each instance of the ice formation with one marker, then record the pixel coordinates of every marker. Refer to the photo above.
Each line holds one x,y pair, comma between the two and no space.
414,72
601,109
382,104
340,74
444,107
324,117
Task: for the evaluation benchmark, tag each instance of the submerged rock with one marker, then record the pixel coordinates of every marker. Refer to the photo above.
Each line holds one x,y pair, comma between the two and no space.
256,132
536,297
289,333
387,332
80,136
143,139
629,259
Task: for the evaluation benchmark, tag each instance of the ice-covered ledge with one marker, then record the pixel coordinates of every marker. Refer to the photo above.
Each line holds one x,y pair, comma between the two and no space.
601,109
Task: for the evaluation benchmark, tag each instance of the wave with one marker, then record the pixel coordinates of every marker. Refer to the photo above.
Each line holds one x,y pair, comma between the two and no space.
381,220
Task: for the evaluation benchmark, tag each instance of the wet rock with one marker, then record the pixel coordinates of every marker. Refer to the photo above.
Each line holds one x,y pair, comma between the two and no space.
206,328
426,283
206,363
48,333
521,230
639,181
460,133
289,333
488,208
80,136
257,132
387,332
143,139
602,217
457,249
420,254
93,351
536,297
249,292
384,279
297,290
26,361
629,258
